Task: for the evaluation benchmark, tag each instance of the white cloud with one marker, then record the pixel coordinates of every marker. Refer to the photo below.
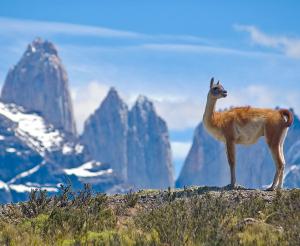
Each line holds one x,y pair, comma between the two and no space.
172,48
254,95
289,46
198,48
181,113
86,100
13,26
43,28
261,96
180,150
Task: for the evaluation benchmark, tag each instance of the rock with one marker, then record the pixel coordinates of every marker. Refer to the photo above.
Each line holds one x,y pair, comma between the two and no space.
135,143
39,83
149,151
292,177
205,163
105,133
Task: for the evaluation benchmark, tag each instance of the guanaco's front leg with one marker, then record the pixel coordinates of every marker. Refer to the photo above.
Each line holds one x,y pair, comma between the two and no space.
230,150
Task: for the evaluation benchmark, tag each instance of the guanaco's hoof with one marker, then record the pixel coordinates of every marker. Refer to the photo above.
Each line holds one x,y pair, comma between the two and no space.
270,189
230,187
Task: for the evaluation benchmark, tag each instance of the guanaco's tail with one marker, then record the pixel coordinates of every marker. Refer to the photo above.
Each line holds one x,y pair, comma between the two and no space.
289,116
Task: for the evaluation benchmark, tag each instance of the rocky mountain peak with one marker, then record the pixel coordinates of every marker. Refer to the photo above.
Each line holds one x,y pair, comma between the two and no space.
41,46
134,142
144,103
112,104
113,93
113,99
105,133
149,151
39,83
143,110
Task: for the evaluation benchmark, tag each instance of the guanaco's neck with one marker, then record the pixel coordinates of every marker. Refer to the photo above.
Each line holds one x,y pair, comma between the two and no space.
209,110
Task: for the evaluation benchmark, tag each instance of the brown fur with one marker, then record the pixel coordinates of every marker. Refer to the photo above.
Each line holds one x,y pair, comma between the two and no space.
244,125
244,115
289,115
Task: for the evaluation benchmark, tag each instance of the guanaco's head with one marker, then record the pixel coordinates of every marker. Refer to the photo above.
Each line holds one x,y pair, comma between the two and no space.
217,90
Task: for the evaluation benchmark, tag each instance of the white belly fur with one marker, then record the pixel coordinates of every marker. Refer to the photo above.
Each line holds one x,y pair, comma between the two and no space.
249,133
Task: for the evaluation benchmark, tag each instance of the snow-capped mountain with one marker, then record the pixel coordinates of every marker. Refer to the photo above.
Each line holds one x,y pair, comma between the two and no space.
39,83
39,145
34,154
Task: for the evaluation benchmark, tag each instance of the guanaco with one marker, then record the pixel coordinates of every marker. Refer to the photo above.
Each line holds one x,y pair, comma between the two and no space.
244,125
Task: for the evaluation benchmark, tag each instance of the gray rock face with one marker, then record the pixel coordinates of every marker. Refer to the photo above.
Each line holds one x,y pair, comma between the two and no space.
292,173
105,133
39,83
206,163
149,151
135,143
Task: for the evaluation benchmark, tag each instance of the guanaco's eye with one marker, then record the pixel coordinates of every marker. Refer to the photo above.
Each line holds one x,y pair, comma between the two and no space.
215,89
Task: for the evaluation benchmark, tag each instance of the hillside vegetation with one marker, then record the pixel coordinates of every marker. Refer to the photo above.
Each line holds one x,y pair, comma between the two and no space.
190,216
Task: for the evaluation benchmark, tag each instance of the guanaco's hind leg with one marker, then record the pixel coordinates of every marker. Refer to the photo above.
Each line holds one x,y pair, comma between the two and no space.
279,166
275,140
280,183
282,158
230,151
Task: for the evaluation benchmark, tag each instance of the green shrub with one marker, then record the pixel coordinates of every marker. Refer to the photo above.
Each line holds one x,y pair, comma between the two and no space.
38,203
131,199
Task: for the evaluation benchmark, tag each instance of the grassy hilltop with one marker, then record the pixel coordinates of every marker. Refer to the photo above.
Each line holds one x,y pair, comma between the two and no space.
191,216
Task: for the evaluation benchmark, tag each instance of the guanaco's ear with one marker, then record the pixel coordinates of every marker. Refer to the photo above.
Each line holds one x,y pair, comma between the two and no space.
218,82
211,82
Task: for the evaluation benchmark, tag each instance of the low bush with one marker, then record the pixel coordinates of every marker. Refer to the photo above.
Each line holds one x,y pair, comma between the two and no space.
173,217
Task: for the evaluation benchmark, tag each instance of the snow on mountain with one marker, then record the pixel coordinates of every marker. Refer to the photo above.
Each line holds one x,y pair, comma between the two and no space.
32,129
4,186
26,173
85,170
20,188
34,154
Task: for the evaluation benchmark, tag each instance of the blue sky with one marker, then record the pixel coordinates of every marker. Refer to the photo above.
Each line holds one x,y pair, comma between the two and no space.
166,50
